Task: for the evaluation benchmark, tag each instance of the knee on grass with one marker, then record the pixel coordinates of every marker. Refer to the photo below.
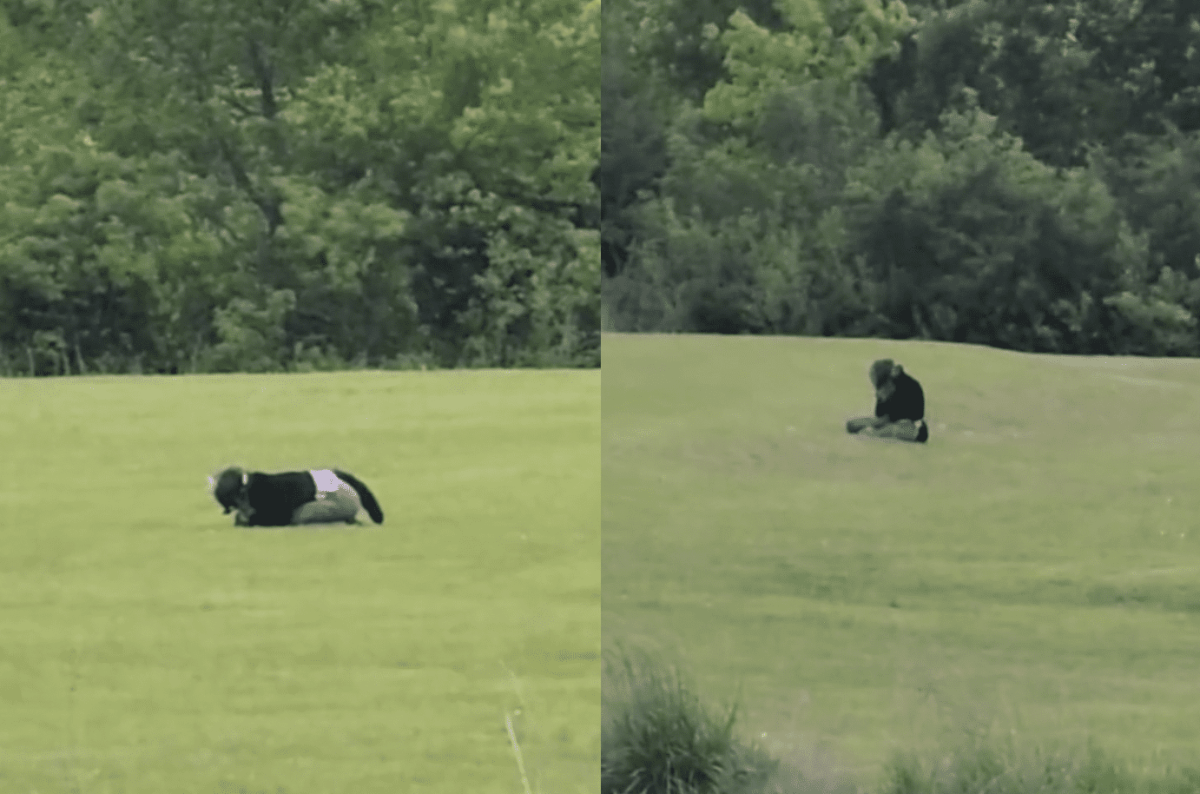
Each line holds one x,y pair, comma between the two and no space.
860,424
336,508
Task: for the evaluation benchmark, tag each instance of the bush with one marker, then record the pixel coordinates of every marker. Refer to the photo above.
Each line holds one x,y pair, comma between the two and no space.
657,737
971,239
746,234
251,338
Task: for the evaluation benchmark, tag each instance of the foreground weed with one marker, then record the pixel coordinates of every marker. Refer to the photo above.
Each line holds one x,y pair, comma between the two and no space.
657,736
996,767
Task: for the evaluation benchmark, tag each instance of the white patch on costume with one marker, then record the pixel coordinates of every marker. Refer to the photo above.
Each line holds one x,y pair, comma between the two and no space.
327,482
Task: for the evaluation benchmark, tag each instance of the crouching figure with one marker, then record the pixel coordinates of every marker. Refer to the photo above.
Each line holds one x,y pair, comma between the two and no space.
319,496
899,406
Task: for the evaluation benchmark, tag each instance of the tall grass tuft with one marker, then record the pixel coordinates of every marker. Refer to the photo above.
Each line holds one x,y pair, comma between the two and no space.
987,766
657,737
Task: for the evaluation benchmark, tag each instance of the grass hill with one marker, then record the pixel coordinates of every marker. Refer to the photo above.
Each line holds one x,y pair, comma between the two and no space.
1032,573
150,646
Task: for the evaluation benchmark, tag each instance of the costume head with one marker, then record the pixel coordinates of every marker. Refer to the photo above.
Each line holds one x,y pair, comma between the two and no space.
883,374
227,487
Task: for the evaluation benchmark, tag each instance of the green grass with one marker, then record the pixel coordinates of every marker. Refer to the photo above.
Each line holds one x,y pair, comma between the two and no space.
1032,573
147,645
659,736
1003,766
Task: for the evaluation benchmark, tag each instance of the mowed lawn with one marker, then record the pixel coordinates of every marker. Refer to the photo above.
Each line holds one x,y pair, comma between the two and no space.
1032,574
147,645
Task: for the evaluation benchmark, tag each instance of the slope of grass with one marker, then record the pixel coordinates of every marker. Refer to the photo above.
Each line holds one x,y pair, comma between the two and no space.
150,646
1033,572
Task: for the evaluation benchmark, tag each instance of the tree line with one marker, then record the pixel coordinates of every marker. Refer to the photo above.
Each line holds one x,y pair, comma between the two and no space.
1009,172
298,184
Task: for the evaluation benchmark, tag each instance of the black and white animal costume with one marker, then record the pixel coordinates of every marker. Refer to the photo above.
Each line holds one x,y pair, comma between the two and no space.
319,496
899,405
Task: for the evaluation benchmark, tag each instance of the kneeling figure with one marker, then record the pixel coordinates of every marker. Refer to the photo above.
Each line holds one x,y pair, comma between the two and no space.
319,496
899,406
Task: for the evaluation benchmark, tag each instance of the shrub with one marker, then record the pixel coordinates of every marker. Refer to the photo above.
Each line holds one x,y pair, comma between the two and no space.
973,240
657,737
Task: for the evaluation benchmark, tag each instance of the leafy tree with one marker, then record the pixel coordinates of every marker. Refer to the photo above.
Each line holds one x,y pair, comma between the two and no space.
971,239
1024,176
680,40
821,41
745,235
633,153
1062,76
287,183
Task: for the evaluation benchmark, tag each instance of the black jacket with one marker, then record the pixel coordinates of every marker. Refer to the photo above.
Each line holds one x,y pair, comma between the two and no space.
275,497
907,400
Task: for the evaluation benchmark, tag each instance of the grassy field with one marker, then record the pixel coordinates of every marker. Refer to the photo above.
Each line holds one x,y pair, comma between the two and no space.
1033,573
147,645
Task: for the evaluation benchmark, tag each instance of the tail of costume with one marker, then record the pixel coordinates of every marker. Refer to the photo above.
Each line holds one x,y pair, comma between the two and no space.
364,494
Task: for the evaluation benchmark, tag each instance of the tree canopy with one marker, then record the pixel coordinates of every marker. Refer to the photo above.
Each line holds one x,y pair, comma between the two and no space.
1008,173
296,184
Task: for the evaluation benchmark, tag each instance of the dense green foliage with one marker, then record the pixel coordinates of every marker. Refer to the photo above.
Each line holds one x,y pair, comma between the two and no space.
298,184
1009,173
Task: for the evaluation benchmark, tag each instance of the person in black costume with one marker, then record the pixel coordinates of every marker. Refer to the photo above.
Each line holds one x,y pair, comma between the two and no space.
318,496
899,406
